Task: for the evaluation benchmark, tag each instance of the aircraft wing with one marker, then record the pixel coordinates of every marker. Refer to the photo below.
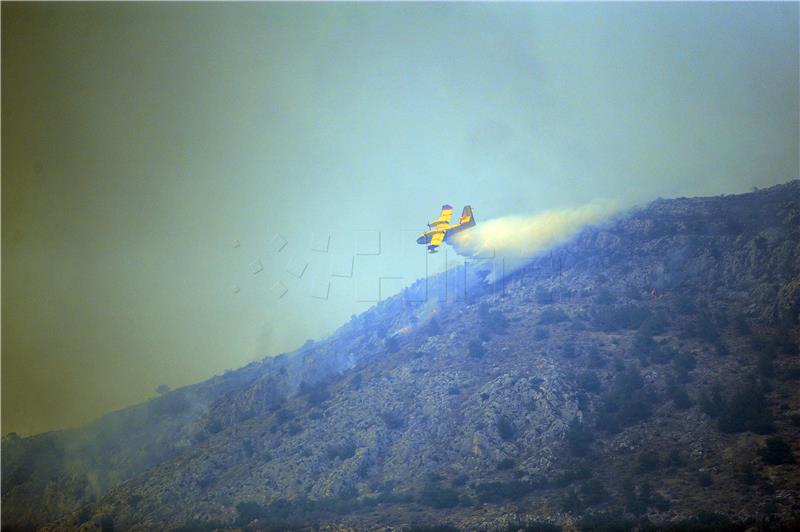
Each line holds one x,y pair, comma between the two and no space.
444,217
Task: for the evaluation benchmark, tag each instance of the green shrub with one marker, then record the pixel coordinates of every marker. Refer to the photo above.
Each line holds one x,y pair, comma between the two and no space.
85,514
680,398
283,514
589,382
596,360
704,479
747,409
712,403
711,521
391,344
633,503
765,364
492,321
627,403
790,374
356,382
318,396
784,340
748,474
605,521
107,524
703,327
315,393
393,420
648,461
592,492
578,438
568,350
438,497
505,428
683,364
504,464
577,325
565,478
431,528
721,348
635,409
248,512
543,296
676,459
215,426
619,317
605,297
763,343
654,324
776,451
741,326
348,493
678,393
638,500
476,349
363,468
459,481
552,315
644,348
501,491
702,522
684,305
633,292
533,527
342,450
571,502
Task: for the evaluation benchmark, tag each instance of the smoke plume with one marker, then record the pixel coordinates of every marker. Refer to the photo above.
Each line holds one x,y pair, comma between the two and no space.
518,238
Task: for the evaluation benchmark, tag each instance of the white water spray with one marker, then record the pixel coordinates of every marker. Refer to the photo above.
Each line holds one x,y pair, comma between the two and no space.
517,239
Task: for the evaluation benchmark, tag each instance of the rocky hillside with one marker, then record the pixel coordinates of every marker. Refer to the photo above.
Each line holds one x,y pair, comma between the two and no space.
644,374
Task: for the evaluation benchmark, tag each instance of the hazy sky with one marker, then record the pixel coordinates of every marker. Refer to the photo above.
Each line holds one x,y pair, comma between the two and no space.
142,141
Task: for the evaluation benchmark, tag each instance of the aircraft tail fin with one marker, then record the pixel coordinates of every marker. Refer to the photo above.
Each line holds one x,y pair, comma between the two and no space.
466,221
467,218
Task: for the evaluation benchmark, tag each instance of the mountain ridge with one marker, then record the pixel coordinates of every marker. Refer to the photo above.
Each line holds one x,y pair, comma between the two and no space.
492,406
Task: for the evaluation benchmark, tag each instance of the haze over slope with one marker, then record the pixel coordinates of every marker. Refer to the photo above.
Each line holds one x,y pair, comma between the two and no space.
142,139
647,370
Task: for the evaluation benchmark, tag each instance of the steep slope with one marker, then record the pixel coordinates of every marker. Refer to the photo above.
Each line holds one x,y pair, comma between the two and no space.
48,474
648,370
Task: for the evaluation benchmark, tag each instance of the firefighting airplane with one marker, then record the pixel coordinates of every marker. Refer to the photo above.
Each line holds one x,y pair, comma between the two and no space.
440,230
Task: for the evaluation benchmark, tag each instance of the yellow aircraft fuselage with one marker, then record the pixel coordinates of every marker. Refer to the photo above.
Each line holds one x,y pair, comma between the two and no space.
440,229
